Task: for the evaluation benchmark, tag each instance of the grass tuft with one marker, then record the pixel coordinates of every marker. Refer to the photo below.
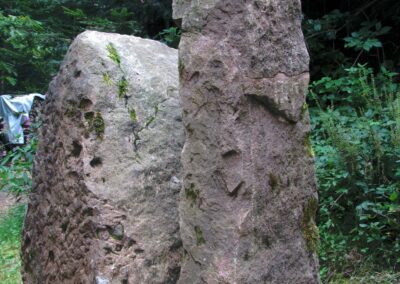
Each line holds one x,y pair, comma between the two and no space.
10,244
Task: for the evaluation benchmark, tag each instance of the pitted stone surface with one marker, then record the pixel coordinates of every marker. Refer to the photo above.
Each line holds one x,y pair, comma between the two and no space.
249,192
107,174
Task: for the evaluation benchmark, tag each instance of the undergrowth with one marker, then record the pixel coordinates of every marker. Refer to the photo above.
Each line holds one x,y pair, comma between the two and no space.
356,138
16,167
365,277
10,235
15,178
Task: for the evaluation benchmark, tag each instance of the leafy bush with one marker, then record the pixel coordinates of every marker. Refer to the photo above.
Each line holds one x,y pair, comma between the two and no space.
24,46
16,167
343,33
356,137
35,35
170,36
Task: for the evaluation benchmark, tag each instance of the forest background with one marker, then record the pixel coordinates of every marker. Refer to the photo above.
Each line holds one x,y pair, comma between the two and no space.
353,100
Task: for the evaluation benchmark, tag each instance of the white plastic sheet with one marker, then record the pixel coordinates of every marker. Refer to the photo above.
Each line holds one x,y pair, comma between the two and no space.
14,110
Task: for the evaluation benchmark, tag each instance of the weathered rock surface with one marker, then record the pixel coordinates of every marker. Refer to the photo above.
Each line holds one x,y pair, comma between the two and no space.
249,192
107,172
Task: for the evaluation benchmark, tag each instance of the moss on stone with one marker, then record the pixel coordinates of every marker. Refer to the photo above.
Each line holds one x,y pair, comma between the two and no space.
308,226
304,110
122,83
122,87
98,125
273,181
117,232
71,110
199,236
150,121
113,54
133,115
309,147
181,66
89,116
107,79
192,194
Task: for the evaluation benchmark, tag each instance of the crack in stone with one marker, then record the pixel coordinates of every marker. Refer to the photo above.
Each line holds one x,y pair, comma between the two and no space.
147,124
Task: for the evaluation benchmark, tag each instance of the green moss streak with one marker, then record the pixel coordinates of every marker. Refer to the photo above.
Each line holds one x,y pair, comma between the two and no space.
181,66
98,125
308,226
133,115
113,54
123,87
304,110
199,236
308,145
192,194
273,181
107,79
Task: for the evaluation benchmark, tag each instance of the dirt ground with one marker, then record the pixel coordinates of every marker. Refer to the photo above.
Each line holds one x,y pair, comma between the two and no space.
8,200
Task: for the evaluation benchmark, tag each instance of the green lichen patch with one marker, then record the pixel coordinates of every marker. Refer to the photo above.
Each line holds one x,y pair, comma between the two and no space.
199,236
308,226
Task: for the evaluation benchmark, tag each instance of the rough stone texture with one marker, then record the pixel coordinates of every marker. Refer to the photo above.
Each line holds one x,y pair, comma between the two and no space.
107,174
249,193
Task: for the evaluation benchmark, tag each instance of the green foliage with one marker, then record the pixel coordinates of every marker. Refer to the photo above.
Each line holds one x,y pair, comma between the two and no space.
23,47
321,34
10,234
366,38
170,36
366,277
16,167
34,35
342,33
356,136
355,114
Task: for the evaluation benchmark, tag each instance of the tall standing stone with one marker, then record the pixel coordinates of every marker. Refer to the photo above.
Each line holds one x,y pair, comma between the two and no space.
107,174
249,195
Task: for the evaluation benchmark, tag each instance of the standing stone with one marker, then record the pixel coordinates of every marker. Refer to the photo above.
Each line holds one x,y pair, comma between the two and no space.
249,193
106,180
